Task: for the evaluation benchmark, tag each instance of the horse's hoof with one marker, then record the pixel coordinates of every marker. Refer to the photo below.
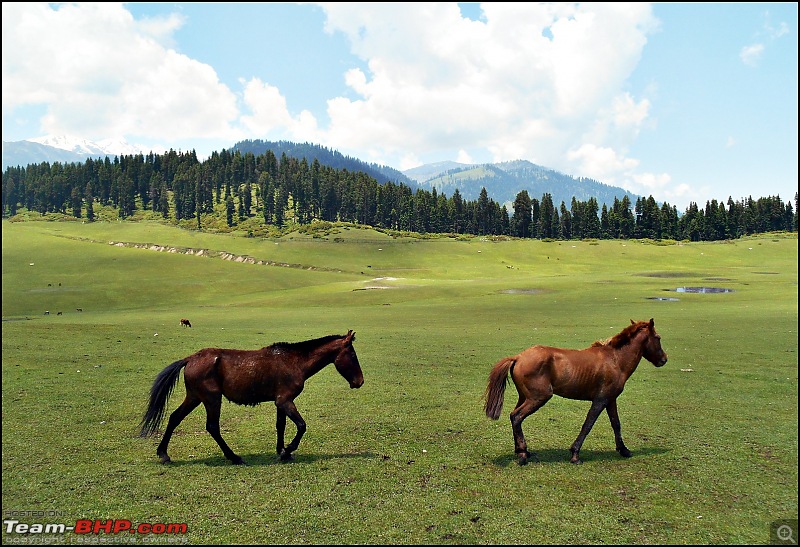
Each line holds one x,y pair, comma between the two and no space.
238,461
576,461
522,457
165,459
287,456
625,453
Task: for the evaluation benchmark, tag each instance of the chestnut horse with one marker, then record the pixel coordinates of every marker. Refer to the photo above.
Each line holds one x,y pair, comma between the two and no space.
185,323
597,374
248,377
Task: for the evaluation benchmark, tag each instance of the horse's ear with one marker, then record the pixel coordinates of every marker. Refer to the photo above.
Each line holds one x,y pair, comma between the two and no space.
652,324
633,322
350,337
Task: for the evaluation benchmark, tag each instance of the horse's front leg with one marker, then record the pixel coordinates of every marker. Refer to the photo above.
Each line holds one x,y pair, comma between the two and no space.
280,428
290,410
611,409
597,407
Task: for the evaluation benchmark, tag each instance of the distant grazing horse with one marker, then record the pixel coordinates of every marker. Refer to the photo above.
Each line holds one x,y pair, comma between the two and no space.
185,323
597,374
249,377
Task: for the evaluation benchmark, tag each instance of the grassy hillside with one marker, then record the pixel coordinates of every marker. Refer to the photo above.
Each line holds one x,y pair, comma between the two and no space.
410,458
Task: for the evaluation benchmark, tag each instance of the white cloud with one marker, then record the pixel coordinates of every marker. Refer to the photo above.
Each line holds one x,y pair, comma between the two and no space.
464,157
775,32
751,55
536,81
601,163
101,73
529,81
271,117
782,29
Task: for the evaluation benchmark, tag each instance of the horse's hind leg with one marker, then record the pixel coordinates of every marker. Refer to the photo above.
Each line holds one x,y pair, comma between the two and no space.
175,418
524,408
212,426
611,409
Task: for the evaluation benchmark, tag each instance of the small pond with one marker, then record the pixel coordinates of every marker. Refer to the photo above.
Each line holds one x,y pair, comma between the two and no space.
702,290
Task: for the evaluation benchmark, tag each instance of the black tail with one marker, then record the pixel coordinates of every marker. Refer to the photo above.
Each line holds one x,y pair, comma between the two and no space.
159,395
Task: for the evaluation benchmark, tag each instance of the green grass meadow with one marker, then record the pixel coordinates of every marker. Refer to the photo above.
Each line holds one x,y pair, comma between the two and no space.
410,458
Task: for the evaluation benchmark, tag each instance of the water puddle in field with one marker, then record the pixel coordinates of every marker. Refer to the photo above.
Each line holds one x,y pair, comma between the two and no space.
704,290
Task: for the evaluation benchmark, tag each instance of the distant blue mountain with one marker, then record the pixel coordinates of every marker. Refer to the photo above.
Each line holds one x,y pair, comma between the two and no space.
329,158
65,149
503,181
24,153
430,171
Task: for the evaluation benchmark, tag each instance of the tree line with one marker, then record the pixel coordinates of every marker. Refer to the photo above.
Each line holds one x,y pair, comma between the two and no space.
290,190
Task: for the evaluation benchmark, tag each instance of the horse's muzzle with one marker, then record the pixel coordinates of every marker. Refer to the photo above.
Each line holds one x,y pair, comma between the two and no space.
662,361
357,383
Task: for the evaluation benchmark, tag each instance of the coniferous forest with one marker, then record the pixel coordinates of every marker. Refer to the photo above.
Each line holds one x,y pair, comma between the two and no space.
283,191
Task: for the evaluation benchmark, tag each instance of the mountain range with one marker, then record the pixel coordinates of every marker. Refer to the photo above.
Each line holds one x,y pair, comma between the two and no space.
503,181
65,149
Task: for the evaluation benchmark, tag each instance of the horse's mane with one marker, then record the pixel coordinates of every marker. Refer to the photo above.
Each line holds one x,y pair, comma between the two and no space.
307,345
623,338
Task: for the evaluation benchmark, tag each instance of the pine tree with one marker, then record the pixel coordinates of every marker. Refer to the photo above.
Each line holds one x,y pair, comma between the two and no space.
230,209
87,195
520,224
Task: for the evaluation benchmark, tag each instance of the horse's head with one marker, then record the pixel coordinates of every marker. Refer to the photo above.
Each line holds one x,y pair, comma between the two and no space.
651,348
346,362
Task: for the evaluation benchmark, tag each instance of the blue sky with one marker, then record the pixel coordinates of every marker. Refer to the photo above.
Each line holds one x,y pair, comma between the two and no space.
682,101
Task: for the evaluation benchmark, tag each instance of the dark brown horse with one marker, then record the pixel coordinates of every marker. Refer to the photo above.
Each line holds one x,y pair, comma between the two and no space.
185,323
248,377
597,374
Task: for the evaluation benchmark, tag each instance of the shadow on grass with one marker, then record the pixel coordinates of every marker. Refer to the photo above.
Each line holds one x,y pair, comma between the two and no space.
552,455
262,459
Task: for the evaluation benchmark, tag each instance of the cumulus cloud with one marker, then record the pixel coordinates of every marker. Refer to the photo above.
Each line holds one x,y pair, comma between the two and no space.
542,82
538,81
101,73
269,116
464,157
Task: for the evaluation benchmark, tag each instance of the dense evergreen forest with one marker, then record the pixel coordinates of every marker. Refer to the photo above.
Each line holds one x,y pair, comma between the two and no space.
241,186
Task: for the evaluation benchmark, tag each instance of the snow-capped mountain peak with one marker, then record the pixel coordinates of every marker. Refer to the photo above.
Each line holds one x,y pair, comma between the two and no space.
111,147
